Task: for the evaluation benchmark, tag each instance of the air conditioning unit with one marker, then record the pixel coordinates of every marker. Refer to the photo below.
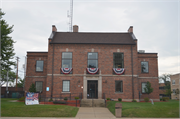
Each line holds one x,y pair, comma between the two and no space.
141,51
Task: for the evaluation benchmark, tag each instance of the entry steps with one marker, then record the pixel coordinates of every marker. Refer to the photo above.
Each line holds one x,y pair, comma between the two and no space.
92,103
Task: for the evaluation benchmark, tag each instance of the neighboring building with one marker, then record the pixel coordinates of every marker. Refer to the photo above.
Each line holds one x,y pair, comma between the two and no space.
162,90
94,65
175,86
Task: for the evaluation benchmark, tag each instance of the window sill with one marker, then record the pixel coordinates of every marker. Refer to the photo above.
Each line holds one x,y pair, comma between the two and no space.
118,92
65,92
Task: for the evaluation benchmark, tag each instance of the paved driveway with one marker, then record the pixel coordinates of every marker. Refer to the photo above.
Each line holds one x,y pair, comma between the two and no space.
94,112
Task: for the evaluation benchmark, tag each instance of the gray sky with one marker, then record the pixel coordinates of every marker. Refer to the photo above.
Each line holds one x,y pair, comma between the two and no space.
155,23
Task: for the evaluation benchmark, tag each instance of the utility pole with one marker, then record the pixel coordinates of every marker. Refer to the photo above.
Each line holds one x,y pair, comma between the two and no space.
7,86
17,58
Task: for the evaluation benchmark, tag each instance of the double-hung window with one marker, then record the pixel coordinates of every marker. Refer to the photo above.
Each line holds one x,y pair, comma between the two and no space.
143,86
92,60
39,65
118,60
118,86
39,86
66,86
67,60
173,82
144,67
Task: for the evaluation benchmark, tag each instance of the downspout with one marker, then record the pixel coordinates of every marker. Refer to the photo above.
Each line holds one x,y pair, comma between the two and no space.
52,72
132,72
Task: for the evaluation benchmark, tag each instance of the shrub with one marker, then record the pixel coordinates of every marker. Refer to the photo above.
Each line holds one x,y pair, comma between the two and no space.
22,99
119,99
134,100
65,98
160,99
146,99
50,100
107,98
59,102
76,98
165,98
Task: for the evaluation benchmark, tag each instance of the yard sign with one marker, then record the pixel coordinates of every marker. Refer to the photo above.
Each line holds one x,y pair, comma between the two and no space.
31,98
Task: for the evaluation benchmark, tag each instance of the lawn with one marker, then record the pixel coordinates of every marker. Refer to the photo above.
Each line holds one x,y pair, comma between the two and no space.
19,109
144,109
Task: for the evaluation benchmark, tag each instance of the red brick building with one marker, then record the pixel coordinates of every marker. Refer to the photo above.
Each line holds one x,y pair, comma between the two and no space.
94,64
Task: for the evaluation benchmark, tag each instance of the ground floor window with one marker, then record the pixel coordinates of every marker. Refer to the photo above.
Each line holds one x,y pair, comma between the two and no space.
118,86
39,86
174,91
143,86
66,86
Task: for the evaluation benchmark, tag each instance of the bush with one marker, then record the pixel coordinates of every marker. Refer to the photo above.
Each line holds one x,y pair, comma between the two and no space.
22,99
76,98
107,98
160,99
146,99
65,98
50,100
59,102
119,99
165,98
134,100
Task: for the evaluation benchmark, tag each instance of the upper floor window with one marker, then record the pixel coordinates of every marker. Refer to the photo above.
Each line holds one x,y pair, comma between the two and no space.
118,86
67,60
39,86
39,65
173,82
92,60
118,60
174,91
144,67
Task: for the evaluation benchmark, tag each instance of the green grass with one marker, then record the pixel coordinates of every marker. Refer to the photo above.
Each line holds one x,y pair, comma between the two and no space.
137,109
19,109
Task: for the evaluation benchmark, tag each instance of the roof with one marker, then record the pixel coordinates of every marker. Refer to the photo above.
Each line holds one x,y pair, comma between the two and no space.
92,38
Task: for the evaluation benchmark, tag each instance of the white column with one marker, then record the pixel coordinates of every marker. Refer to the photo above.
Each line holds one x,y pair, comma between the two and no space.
84,86
100,86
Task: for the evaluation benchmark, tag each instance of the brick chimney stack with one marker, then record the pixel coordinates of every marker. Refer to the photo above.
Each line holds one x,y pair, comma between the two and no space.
130,30
54,29
75,28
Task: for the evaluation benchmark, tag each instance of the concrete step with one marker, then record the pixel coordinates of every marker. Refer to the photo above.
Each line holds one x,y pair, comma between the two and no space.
86,103
98,103
92,103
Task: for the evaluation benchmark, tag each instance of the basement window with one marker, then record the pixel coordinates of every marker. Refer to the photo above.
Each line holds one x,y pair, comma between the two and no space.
66,86
118,86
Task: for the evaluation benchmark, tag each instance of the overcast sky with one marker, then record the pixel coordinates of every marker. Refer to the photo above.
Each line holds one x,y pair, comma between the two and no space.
155,24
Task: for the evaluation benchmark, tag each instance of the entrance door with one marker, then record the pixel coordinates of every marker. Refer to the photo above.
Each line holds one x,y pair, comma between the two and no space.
92,89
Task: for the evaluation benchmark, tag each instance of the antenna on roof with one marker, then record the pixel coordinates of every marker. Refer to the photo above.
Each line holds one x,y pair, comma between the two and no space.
70,15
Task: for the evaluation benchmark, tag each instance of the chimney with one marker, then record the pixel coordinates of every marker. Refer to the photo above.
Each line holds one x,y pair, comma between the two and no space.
54,29
75,28
130,30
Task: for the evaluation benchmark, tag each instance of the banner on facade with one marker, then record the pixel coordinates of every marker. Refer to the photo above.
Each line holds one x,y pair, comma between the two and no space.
66,70
92,70
118,71
31,98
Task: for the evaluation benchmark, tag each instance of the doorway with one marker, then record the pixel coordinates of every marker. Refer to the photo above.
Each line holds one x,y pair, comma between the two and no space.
92,89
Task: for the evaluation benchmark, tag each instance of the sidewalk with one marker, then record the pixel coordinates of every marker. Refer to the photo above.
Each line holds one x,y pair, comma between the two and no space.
94,112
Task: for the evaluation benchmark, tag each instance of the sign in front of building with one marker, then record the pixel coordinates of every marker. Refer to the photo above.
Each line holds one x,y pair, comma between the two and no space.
31,98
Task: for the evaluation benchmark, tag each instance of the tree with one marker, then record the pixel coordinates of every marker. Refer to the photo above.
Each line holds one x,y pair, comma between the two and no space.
32,88
20,83
7,50
166,79
148,88
11,77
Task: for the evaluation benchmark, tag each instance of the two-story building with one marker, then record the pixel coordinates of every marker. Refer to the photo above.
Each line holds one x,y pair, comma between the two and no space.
94,64
175,81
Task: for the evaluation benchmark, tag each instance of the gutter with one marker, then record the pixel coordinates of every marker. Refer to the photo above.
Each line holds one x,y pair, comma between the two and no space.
132,73
52,72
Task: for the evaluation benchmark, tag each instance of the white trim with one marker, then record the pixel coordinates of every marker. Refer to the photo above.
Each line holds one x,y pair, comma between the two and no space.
36,76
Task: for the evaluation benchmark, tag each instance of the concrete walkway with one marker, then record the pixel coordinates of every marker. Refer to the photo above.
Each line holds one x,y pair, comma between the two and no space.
94,112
